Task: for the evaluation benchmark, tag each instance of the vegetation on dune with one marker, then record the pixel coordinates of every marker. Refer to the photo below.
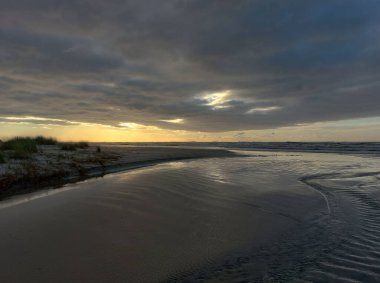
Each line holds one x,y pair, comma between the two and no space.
35,160
46,140
26,143
22,147
82,144
68,147
74,146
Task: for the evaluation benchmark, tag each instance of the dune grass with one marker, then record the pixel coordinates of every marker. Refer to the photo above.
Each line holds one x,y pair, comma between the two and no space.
2,160
68,147
27,143
24,147
74,146
46,140
82,144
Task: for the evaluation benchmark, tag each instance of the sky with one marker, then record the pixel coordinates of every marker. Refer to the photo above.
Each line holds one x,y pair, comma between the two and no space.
190,70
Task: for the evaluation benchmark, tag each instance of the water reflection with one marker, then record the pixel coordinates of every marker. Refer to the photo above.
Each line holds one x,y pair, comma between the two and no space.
191,214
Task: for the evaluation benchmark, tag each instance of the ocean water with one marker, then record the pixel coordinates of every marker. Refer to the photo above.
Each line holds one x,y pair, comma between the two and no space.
331,147
267,217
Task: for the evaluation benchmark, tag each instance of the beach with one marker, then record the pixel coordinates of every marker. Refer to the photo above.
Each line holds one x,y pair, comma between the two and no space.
268,216
53,167
189,141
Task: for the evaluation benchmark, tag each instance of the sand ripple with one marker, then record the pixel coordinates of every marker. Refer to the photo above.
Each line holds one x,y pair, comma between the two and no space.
341,244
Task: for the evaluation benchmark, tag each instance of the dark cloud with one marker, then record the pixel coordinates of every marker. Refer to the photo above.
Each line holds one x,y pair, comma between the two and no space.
284,62
39,52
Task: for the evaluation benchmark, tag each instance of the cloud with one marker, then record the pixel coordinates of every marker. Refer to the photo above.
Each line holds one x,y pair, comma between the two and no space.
34,52
262,109
174,121
190,65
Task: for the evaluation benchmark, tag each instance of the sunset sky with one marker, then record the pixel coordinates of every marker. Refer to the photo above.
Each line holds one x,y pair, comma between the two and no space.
190,70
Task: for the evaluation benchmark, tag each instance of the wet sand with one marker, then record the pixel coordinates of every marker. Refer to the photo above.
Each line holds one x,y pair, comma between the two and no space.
271,216
52,166
148,225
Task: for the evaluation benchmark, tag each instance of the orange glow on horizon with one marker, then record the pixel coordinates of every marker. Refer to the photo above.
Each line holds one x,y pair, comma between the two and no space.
328,131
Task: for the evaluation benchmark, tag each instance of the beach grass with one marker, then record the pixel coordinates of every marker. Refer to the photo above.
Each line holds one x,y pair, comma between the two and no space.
2,160
21,147
24,147
46,140
82,144
74,146
68,147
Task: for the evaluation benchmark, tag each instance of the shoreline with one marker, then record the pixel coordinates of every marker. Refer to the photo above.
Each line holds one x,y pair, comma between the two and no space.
114,223
239,218
33,175
371,148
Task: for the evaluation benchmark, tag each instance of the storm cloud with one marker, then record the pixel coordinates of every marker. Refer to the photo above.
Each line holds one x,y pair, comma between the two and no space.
190,65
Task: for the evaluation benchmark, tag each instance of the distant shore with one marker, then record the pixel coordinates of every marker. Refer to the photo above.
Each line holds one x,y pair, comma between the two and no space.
51,166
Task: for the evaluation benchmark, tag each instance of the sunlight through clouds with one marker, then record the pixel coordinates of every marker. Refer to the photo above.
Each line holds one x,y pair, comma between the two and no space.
262,109
135,66
174,121
217,100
